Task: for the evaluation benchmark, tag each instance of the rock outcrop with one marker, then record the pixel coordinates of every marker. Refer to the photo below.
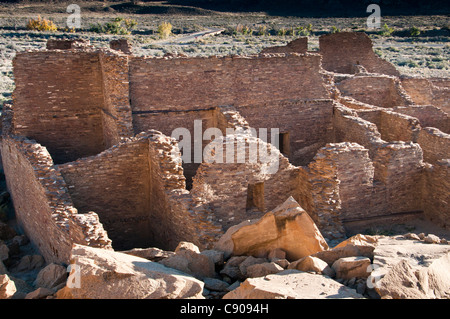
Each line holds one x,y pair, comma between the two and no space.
291,284
288,227
105,274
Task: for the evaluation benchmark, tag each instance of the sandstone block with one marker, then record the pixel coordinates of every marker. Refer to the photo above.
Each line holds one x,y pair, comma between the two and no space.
432,239
214,255
312,264
191,262
250,261
51,276
350,267
292,284
151,253
4,251
264,269
106,274
287,227
30,262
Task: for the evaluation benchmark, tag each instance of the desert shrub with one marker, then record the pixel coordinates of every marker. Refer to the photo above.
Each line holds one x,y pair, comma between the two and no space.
262,30
41,24
282,32
414,31
335,30
386,31
115,27
164,30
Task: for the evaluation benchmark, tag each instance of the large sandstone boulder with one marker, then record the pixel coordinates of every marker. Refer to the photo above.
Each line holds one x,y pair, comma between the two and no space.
292,284
51,276
404,281
288,227
358,245
106,274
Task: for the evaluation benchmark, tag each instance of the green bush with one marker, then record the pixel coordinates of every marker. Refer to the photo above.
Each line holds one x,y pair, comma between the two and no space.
335,30
386,31
414,31
115,27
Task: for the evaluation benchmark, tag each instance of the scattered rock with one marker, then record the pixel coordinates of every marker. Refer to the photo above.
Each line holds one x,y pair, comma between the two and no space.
106,274
30,262
358,245
421,236
234,285
277,253
411,236
151,253
432,239
250,261
287,227
312,264
231,268
51,276
215,284
292,284
188,259
7,287
6,232
264,269
184,245
21,240
215,256
4,251
3,269
350,267
40,293
282,262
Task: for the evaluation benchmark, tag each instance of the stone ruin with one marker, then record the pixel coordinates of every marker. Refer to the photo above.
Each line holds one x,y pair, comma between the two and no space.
89,157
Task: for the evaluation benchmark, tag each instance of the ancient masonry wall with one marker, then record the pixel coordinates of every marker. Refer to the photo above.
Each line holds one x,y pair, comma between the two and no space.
55,91
434,143
44,209
116,185
428,116
185,83
427,91
436,190
343,50
378,90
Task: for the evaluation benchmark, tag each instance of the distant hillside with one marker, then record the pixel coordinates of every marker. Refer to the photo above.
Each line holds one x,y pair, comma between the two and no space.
347,8
301,8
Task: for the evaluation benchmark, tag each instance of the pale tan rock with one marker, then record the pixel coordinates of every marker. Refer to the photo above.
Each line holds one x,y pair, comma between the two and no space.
214,255
358,245
264,269
312,264
287,227
184,245
352,267
106,274
7,287
291,284
405,281
432,239
51,276
188,260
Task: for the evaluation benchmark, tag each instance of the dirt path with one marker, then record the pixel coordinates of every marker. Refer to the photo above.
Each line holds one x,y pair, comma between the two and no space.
191,37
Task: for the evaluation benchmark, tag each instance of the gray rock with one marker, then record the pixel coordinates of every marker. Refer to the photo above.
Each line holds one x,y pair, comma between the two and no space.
264,269
215,284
